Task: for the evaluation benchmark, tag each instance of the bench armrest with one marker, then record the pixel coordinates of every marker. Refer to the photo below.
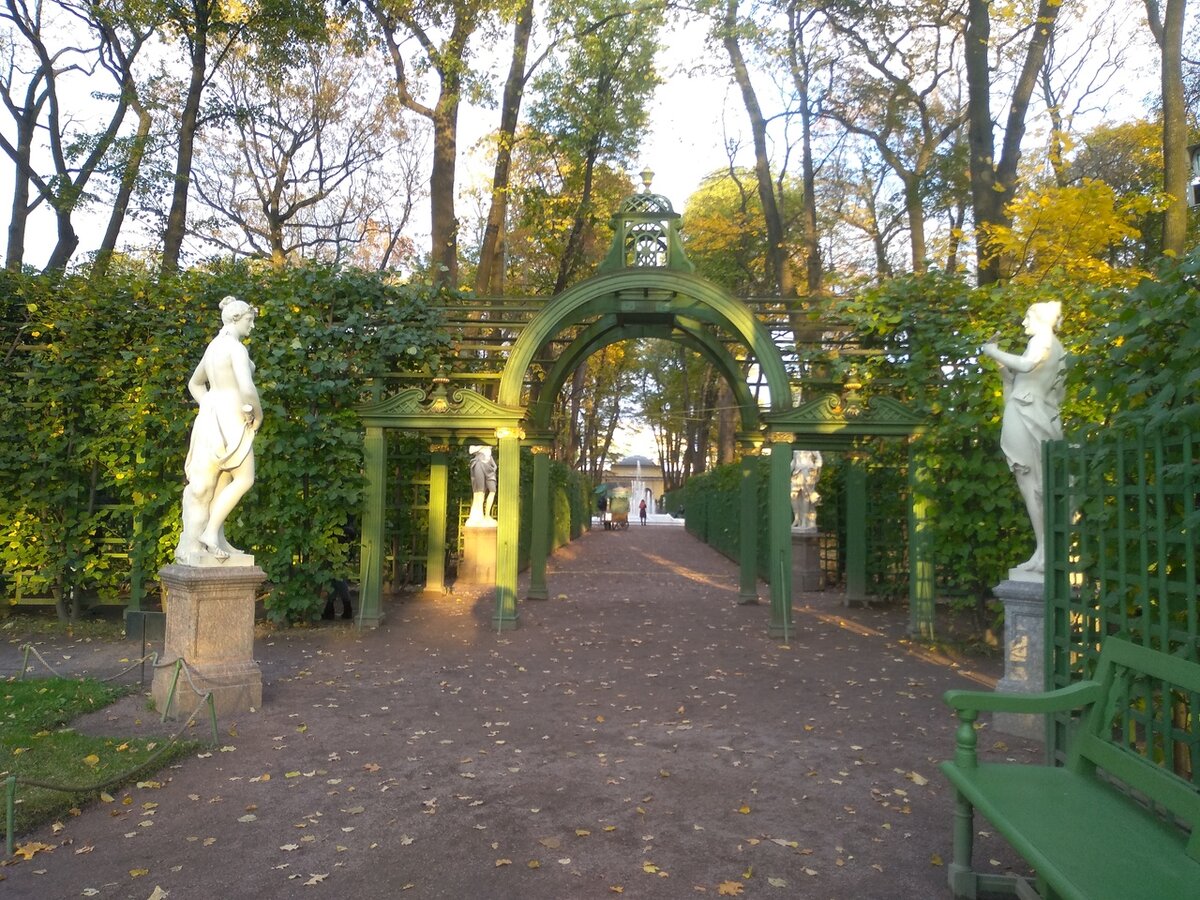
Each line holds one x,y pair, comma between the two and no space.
970,703
1073,696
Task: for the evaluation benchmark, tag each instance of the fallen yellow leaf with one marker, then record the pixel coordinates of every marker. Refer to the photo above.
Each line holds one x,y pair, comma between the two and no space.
27,851
503,862
91,760
138,873
744,809
729,888
534,864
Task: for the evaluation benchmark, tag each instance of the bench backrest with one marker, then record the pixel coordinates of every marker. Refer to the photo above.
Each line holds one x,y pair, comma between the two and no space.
1145,728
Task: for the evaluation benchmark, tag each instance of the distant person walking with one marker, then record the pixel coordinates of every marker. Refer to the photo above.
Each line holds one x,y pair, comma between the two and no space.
642,511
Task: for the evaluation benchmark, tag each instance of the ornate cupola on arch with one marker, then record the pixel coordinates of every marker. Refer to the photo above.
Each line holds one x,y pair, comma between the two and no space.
646,234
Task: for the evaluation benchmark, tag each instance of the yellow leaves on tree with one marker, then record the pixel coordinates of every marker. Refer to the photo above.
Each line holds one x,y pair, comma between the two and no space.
1072,234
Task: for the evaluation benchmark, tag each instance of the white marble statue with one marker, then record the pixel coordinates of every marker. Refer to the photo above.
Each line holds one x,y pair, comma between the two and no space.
806,470
1034,383
483,485
220,459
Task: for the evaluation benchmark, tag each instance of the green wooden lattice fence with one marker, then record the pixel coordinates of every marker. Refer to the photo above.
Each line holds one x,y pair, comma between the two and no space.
1121,518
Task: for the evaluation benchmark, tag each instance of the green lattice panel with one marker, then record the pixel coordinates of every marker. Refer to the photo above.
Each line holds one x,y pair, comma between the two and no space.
1121,524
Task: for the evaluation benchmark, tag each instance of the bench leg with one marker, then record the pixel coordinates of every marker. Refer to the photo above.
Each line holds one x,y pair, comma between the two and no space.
962,879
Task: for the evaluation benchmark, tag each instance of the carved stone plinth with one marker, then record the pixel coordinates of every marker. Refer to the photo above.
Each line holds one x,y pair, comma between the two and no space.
210,625
478,565
1024,650
806,560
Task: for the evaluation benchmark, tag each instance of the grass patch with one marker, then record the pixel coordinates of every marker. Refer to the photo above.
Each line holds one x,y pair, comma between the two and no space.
37,743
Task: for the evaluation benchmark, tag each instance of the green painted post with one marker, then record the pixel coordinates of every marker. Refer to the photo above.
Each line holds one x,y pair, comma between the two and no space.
508,519
920,576
856,530
780,512
370,610
748,525
10,812
539,542
435,553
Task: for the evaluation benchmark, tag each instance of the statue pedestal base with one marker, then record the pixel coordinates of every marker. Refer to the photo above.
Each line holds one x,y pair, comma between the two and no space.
478,565
1024,650
806,560
210,626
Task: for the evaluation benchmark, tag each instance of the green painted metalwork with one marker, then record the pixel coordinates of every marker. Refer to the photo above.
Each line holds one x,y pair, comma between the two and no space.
539,544
780,511
508,512
834,421
1121,816
646,235
748,524
647,297
611,329
921,599
646,287
856,530
1122,513
439,492
370,579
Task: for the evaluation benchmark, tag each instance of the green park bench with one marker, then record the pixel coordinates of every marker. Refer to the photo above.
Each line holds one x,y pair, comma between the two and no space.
1115,821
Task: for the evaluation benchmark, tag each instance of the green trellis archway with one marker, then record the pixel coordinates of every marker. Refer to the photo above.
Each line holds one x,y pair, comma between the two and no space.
645,288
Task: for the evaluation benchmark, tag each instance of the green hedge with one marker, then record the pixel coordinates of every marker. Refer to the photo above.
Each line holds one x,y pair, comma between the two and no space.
96,416
570,511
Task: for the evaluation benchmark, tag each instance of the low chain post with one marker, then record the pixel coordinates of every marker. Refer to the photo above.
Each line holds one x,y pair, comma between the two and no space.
10,811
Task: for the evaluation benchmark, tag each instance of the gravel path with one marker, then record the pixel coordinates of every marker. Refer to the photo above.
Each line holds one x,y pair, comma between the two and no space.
637,735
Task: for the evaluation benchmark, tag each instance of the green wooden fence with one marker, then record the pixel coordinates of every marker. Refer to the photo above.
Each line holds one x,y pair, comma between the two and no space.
1121,516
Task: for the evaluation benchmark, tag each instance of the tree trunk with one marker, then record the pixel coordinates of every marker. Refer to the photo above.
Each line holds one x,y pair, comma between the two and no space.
443,224
776,244
915,212
177,217
491,262
814,275
129,174
26,125
994,179
1168,32
727,423
574,247
980,137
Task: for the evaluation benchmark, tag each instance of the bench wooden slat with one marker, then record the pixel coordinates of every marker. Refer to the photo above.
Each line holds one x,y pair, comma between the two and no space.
1113,822
1050,815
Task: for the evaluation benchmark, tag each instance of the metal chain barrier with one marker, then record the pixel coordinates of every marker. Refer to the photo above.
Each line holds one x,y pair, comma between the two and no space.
180,666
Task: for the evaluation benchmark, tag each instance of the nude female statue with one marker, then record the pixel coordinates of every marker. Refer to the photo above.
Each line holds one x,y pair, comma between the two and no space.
220,459
1033,394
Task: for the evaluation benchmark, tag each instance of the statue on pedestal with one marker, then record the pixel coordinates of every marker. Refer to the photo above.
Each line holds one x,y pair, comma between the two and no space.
483,485
1034,385
806,470
220,459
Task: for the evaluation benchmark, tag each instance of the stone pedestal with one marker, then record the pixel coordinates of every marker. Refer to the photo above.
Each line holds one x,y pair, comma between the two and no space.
806,560
210,626
1024,650
478,565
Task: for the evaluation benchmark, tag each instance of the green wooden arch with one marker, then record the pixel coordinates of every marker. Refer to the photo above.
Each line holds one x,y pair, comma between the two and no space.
647,296
610,330
635,301
646,287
